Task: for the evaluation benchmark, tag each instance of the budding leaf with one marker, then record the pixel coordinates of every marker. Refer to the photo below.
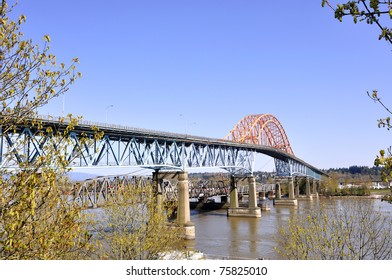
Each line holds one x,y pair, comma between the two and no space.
47,38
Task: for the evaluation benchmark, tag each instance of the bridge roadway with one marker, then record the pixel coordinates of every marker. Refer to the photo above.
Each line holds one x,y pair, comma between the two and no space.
162,152
128,146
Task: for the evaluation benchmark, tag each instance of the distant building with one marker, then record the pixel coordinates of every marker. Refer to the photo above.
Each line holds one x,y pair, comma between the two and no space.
373,185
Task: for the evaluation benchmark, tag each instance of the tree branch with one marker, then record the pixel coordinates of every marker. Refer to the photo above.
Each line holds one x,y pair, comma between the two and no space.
375,98
371,14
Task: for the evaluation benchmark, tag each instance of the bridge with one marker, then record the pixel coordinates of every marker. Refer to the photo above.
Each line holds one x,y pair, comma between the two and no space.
167,155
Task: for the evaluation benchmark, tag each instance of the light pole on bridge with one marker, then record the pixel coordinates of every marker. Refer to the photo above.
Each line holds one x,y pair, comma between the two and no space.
186,123
106,112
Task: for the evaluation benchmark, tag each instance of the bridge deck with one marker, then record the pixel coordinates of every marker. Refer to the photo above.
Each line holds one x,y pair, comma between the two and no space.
125,134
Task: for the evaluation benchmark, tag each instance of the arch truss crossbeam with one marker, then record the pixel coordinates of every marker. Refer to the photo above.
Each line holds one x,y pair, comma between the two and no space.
266,130
261,129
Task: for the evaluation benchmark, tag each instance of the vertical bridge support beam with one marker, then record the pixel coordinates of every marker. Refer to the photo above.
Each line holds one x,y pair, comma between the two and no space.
233,193
183,205
252,193
308,193
297,183
278,190
252,210
157,185
315,193
183,208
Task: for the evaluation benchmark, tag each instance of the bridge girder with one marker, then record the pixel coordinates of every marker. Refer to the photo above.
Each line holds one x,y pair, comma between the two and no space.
143,148
112,150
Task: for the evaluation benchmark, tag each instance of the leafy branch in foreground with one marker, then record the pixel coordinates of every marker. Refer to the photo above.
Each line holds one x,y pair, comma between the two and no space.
369,11
135,227
354,231
36,222
30,75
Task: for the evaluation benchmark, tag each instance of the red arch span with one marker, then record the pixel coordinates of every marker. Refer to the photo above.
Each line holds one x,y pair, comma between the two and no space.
261,129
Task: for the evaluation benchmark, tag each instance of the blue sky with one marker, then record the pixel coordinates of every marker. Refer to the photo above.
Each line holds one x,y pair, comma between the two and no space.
200,66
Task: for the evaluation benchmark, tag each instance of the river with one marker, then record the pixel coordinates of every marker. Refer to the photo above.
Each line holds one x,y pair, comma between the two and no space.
219,236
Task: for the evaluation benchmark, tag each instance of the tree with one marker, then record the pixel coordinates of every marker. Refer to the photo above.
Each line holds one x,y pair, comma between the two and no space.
349,232
36,222
134,226
29,75
371,12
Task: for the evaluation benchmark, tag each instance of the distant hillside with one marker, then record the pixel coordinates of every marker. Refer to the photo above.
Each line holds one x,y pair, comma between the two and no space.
362,170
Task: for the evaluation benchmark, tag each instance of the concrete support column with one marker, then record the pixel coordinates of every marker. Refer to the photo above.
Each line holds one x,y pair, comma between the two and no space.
291,188
291,201
252,192
297,182
183,208
233,193
157,185
308,195
235,211
278,190
315,193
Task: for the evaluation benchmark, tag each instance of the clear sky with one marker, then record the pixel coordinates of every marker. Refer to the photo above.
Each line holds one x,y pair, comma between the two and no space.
199,66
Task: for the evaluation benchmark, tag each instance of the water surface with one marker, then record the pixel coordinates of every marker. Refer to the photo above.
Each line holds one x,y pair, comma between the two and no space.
219,236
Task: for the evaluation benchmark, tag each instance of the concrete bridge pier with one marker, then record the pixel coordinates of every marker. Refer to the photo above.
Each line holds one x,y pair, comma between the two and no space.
291,201
252,199
297,183
233,193
307,189
183,205
314,187
183,209
278,190
234,210
157,185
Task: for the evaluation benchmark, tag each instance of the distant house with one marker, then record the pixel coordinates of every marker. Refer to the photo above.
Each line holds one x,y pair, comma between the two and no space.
349,186
380,185
373,185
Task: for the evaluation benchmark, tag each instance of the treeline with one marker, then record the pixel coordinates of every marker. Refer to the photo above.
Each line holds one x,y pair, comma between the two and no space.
355,169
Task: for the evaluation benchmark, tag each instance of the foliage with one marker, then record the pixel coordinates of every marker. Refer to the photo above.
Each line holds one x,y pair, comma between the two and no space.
369,11
329,185
134,227
29,74
349,232
36,222
361,190
385,157
385,160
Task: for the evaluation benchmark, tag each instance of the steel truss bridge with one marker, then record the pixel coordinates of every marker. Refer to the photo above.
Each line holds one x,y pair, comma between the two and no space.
97,191
130,147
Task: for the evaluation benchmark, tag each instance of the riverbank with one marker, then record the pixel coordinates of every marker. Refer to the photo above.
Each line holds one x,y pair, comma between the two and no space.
372,196
387,198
